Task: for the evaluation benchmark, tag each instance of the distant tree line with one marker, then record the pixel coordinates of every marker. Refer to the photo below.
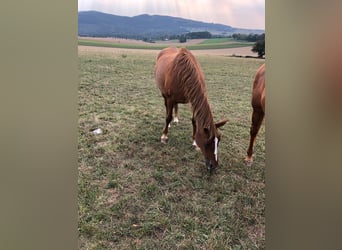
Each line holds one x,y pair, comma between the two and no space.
249,37
190,35
182,38
195,35
199,35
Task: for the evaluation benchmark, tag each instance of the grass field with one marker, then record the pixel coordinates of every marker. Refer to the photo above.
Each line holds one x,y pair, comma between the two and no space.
219,43
218,40
137,193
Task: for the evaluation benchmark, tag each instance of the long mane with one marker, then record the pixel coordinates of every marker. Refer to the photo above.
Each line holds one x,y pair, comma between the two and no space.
189,75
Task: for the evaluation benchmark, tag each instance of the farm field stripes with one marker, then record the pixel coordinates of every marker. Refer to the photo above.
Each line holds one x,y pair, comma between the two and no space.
118,45
136,193
207,44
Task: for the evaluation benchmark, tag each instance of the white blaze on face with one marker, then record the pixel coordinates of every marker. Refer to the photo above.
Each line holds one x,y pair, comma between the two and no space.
215,150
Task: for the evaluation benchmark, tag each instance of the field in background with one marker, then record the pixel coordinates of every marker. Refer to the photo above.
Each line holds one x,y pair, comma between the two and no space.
218,40
136,193
193,44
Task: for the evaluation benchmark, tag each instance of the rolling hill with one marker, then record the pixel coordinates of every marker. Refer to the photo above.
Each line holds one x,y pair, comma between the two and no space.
98,24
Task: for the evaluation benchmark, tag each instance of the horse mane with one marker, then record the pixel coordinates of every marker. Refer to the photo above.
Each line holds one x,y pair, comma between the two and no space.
189,75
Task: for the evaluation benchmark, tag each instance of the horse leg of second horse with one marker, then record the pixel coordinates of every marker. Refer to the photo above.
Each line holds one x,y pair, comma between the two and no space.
169,107
257,117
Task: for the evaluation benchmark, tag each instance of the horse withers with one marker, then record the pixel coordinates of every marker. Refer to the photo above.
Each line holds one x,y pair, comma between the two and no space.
258,105
180,79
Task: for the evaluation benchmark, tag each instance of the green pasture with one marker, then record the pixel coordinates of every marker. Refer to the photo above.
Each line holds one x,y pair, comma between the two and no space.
137,193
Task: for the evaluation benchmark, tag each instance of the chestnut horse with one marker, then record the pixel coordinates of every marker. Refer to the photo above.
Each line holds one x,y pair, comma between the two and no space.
180,79
258,104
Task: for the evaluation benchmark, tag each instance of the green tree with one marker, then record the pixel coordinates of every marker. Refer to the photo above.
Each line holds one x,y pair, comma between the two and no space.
259,47
182,39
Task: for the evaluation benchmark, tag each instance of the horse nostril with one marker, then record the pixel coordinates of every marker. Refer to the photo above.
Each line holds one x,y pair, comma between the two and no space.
211,168
209,165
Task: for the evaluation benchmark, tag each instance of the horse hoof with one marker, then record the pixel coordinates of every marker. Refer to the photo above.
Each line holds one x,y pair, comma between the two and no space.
248,162
175,120
197,148
164,139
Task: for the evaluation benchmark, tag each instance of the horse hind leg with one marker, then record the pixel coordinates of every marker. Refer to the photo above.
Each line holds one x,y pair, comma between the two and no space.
168,119
257,118
175,119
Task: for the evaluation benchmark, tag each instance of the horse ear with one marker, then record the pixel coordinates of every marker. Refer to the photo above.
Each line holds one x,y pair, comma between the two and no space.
221,123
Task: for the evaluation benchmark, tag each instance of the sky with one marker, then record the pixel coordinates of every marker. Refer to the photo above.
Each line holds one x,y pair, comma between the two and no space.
249,14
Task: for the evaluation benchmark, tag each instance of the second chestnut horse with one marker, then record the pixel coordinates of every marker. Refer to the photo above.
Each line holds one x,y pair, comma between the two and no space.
258,104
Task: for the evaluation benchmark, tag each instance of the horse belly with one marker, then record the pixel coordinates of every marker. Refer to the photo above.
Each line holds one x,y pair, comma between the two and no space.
176,96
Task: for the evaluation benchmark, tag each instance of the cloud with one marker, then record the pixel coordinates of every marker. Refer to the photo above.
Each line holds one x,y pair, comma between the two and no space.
236,13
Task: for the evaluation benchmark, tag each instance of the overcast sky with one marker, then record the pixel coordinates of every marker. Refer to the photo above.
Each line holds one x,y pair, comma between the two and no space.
236,13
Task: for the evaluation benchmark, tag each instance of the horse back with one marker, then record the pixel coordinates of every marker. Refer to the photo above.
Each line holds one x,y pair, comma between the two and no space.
164,60
166,80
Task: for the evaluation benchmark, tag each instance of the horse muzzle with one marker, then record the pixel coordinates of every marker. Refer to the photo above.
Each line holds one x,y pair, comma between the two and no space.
210,166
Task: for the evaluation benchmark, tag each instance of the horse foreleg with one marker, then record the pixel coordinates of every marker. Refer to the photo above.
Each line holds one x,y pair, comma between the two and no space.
194,133
257,117
169,107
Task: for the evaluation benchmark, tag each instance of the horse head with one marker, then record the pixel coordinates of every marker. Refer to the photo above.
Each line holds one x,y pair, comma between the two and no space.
208,139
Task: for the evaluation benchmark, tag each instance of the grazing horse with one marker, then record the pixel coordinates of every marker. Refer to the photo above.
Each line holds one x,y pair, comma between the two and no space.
180,79
258,104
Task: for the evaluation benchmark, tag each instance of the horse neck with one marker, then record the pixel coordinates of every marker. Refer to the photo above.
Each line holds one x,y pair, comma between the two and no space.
201,108
190,75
